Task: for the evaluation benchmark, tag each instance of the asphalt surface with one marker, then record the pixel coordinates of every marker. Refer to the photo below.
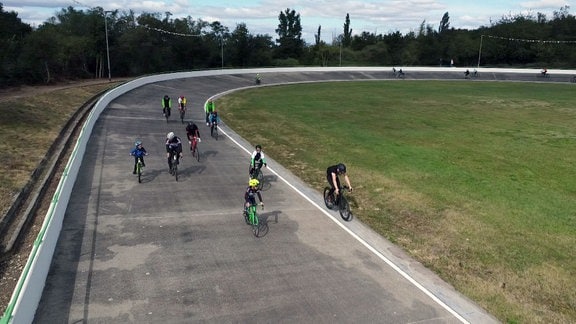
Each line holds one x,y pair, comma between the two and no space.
180,252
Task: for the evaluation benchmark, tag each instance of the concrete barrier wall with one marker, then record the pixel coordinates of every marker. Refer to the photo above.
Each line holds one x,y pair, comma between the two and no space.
26,296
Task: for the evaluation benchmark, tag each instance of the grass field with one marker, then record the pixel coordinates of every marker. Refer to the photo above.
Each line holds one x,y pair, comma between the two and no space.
474,179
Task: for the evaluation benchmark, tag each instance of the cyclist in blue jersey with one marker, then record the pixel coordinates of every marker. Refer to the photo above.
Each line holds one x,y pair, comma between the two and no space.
138,152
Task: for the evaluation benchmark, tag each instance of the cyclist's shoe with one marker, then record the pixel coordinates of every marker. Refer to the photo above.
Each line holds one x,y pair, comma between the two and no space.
207,124
133,172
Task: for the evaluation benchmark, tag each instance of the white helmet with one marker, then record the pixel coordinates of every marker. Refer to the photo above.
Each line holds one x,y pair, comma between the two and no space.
170,135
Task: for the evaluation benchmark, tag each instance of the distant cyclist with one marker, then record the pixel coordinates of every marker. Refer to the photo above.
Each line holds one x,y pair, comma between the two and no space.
192,133
173,147
332,175
138,152
251,193
213,120
182,102
257,159
166,106
209,107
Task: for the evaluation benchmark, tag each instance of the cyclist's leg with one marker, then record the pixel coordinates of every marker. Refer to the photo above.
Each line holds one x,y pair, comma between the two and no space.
329,179
170,157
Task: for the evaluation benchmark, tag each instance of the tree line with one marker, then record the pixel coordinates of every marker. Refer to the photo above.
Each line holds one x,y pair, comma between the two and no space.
76,44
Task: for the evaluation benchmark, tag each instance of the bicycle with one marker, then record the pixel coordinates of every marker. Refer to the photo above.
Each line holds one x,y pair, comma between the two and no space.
139,167
251,218
573,79
174,166
214,130
182,113
258,175
340,202
194,148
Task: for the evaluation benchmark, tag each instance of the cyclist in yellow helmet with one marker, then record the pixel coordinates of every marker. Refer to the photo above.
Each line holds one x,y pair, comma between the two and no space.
251,193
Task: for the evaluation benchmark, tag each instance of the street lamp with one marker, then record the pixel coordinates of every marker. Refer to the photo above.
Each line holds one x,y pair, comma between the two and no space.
107,47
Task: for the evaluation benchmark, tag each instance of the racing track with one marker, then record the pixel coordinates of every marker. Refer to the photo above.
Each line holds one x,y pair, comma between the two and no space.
180,252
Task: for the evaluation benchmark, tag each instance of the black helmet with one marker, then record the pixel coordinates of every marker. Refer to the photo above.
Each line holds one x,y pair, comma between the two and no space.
258,146
341,168
190,124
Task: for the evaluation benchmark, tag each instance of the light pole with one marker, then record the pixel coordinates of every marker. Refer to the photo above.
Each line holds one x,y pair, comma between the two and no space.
480,50
222,50
107,47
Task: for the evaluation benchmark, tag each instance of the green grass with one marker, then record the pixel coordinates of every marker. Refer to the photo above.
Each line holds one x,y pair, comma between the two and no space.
474,179
28,126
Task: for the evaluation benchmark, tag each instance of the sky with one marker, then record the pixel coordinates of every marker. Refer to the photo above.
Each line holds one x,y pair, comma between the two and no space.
261,16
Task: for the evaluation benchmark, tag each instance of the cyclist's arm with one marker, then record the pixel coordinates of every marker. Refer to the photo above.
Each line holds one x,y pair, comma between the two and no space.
347,182
335,183
260,197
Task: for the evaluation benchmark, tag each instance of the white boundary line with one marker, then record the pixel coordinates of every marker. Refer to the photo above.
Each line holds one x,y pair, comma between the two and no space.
359,239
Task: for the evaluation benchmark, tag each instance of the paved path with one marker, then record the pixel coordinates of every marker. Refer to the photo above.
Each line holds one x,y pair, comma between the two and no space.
180,252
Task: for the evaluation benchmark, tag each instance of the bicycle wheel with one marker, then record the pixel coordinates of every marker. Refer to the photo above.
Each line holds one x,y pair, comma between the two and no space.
328,199
175,167
254,222
215,132
167,114
197,154
139,171
182,113
344,209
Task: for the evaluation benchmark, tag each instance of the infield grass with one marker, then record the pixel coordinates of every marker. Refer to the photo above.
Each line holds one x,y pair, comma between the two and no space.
474,179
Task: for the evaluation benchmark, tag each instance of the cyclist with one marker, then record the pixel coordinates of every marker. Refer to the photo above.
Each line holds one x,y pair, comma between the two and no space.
251,193
332,175
166,105
182,103
193,134
258,78
208,108
173,146
213,120
138,152
257,158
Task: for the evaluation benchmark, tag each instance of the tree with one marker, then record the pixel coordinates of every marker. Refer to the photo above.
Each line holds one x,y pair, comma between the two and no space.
444,23
12,34
290,43
347,37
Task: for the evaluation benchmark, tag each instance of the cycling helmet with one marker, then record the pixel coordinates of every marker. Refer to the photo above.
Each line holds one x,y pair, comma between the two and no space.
253,182
341,168
137,143
170,135
190,124
258,146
